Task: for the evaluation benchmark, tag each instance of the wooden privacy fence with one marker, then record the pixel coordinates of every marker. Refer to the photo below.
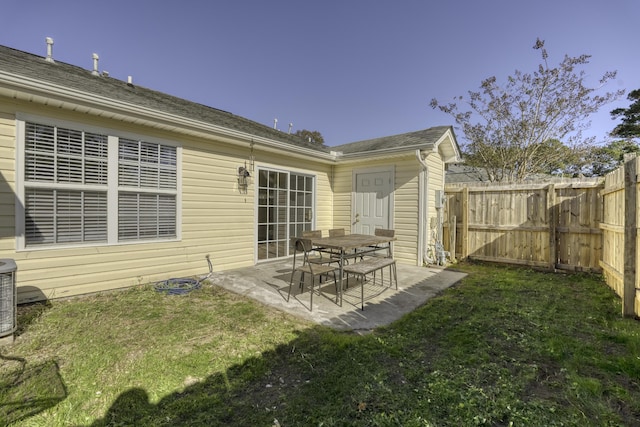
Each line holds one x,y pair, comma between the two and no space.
575,225
550,225
620,234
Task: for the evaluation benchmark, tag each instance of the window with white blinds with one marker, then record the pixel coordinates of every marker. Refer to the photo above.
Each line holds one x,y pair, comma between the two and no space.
60,216
67,187
147,208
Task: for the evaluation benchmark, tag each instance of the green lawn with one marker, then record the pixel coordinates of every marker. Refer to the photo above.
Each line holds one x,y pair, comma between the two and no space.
507,346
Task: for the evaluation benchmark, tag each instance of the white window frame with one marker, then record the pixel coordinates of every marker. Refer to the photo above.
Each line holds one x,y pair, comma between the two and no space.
314,201
113,189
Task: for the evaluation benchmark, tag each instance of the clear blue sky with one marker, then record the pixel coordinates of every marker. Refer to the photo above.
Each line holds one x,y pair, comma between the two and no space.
351,69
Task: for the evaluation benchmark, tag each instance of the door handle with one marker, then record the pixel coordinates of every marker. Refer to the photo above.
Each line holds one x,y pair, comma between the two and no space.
357,217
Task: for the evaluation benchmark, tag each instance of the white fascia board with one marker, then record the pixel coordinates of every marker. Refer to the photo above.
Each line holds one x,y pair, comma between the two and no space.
452,155
13,85
385,153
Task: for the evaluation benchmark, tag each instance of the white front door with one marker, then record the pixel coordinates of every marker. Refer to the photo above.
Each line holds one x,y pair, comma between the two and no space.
372,201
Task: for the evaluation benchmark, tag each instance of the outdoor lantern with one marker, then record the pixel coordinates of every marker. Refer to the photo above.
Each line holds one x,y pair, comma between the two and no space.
243,178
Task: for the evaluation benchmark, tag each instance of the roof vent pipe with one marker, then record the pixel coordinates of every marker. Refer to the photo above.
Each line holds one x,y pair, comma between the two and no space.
95,64
49,57
129,80
290,127
275,123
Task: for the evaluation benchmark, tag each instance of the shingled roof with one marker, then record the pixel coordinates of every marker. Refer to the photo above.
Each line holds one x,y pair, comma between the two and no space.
422,139
35,67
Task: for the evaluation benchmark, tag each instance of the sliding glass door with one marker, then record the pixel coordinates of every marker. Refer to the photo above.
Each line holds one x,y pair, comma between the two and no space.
285,209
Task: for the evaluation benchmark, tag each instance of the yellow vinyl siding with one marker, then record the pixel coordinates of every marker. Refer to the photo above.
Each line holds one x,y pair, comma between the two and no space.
76,271
405,201
7,184
406,209
342,188
436,182
217,219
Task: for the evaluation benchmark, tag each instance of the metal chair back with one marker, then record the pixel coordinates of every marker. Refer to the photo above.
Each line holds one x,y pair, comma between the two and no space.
336,232
382,232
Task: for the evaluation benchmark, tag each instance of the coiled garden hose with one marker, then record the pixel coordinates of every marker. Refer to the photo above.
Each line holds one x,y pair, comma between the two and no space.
182,285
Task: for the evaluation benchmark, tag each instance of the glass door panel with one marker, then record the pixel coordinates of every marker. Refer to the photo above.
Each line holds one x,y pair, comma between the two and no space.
285,209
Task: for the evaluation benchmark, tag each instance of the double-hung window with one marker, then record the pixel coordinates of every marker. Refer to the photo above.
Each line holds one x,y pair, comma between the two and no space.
93,187
65,195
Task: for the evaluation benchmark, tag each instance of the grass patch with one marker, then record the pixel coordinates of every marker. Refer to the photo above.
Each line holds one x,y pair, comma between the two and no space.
507,346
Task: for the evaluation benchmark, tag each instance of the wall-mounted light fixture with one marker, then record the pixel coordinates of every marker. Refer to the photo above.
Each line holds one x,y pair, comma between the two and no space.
243,178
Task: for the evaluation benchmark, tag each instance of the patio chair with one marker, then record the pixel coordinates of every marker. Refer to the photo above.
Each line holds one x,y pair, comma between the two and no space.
304,246
336,232
384,233
318,257
339,232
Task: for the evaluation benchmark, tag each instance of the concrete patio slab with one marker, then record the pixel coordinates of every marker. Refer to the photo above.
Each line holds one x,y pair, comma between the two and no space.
268,283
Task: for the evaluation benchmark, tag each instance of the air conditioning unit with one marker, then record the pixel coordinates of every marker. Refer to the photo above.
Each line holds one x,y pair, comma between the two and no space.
8,297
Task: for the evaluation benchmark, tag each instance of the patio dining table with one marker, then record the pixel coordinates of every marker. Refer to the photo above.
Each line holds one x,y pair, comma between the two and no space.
348,246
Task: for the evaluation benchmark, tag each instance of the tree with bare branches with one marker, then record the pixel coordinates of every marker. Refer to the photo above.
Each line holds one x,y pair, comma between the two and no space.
513,130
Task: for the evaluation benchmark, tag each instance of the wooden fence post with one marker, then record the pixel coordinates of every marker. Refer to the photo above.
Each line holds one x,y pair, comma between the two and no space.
630,235
553,221
452,238
464,239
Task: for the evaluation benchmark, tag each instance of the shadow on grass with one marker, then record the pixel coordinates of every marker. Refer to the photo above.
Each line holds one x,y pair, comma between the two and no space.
502,349
256,392
26,390
293,380
29,311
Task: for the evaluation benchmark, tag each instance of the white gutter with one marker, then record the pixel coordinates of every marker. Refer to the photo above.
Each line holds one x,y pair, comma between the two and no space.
423,189
133,113
386,152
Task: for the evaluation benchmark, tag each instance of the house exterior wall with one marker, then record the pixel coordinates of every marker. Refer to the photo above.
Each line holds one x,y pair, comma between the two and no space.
216,218
435,181
7,183
405,216
406,210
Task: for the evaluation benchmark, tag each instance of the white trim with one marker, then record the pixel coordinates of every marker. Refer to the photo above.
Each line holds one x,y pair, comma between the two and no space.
448,157
112,190
423,207
179,193
423,186
19,197
368,157
256,202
